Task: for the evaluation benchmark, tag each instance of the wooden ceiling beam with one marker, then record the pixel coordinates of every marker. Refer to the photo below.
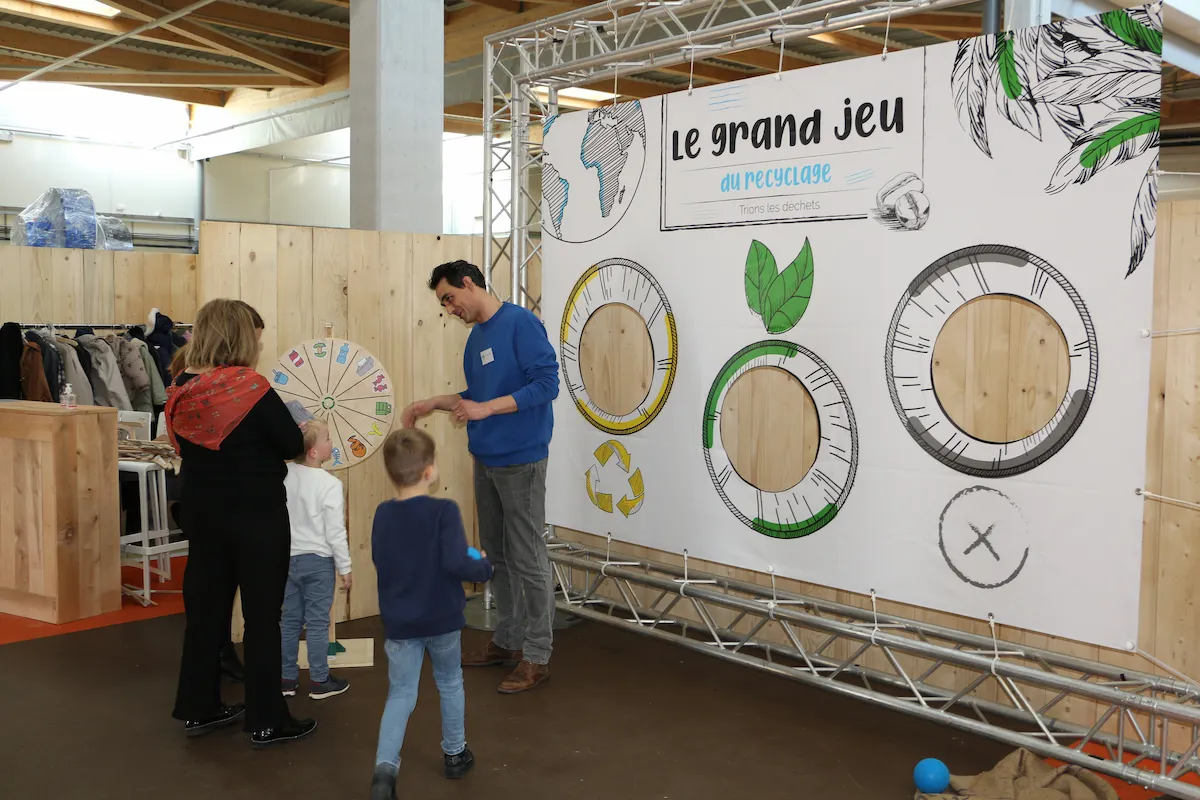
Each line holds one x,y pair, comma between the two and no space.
230,45
1180,114
199,97
44,44
853,44
193,80
36,12
708,72
264,20
633,88
467,28
769,61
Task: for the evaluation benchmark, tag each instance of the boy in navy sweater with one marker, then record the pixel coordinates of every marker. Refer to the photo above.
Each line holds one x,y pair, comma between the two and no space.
422,559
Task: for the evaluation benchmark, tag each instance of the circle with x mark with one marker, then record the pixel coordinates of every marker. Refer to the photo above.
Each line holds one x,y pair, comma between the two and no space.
984,537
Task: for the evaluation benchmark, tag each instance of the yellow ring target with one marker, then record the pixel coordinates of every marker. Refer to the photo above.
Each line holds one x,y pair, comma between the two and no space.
619,280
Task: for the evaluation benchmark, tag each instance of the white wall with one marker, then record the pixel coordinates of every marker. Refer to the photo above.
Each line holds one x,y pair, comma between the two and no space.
81,138
271,186
120,179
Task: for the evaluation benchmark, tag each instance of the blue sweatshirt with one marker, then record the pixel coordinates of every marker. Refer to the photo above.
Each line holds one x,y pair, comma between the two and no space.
421,561
510,354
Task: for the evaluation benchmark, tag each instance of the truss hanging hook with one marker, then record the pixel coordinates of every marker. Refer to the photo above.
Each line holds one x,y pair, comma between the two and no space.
875,613
779,73
887,31
995,644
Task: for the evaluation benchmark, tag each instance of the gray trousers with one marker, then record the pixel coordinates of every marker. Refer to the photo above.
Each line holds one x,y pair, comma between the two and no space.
511,503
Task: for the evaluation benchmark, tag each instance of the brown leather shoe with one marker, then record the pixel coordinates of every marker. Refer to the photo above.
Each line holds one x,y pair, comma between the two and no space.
491,656
525,677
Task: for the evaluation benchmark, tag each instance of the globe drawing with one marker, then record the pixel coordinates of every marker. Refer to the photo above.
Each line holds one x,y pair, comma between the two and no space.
592,164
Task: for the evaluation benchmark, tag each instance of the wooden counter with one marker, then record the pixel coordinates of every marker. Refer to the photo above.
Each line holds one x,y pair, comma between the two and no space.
60,551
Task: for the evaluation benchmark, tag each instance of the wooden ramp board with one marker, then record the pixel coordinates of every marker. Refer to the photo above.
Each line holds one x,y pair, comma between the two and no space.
358,653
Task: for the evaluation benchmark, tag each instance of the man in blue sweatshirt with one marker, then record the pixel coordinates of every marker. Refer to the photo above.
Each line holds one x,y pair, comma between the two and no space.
512,379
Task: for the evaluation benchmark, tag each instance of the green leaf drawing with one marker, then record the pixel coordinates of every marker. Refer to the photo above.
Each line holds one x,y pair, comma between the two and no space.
1114,137
760,271
787,297
1132,32
1007,61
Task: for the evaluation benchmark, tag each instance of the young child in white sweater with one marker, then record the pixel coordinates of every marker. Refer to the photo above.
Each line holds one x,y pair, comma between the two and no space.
317,510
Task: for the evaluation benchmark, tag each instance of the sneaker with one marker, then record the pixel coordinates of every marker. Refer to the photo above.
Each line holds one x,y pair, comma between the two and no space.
293,731
383,782
289,688
525,677
492,656
226,716
458,766
332,687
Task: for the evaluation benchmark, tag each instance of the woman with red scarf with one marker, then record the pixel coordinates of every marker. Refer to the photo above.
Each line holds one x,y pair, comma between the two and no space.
234,435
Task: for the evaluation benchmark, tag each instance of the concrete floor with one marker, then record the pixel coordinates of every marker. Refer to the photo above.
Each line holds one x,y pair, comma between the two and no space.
87,715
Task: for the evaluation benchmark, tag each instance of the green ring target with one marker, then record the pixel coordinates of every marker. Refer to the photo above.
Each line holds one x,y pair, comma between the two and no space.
812,503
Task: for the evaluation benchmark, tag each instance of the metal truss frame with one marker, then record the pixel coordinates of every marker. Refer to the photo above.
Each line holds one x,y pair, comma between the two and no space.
525,67
1139,716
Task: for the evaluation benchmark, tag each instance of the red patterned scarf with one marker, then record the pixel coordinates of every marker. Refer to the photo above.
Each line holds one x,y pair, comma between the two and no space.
207,408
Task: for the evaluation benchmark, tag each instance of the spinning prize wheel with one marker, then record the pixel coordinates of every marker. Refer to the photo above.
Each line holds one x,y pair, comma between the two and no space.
343,384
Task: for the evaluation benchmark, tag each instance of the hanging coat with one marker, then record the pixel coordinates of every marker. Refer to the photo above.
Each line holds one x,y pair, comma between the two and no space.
161,343
107,384
158,392
133,372
51,364
33,375
12,347
75,375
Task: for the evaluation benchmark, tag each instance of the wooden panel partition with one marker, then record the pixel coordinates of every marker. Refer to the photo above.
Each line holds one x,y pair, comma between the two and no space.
42,284
371,287
59,538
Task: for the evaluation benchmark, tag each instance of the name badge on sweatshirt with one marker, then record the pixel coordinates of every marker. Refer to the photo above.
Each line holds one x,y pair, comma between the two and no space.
486,357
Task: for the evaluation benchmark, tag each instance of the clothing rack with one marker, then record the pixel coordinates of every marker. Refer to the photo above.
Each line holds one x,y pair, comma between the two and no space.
104,325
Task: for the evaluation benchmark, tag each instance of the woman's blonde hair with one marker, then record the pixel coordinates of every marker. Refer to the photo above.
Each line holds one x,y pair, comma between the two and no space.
223,336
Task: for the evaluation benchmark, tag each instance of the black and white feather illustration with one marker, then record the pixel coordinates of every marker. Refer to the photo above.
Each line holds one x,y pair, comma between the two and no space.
1144,218
1100,81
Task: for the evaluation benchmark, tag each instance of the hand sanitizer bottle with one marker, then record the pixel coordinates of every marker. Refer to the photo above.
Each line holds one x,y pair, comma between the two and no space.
68,397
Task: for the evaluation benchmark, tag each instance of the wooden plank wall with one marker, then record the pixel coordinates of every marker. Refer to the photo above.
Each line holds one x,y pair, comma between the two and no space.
40,284
372,288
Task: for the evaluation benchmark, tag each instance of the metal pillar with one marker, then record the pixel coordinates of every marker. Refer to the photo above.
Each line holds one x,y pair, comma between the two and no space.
990,17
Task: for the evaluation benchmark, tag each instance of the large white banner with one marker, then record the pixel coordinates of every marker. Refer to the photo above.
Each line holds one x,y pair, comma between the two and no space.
829,222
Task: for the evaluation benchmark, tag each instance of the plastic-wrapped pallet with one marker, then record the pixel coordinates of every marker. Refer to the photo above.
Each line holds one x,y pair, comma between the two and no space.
112,234
58,218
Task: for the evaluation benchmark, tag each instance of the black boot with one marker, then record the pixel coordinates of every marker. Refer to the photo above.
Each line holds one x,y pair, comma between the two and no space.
383,783
231,665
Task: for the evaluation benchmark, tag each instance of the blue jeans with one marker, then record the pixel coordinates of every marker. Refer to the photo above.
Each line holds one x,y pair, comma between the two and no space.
306,603
405,657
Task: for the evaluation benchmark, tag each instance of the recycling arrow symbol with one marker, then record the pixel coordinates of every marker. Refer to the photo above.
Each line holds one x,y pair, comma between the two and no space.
630,502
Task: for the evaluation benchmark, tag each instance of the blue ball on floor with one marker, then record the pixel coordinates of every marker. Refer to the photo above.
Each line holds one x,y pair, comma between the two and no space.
473,553
931,776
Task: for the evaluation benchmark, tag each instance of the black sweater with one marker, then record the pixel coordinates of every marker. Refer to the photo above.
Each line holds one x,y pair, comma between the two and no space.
247,472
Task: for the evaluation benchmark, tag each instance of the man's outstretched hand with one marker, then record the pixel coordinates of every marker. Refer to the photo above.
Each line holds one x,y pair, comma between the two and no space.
412,413
469,411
